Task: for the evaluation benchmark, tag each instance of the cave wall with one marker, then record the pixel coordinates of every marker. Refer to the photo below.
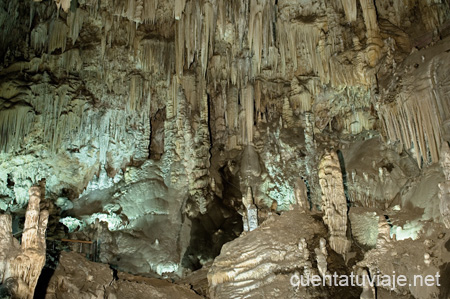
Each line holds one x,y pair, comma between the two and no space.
143,109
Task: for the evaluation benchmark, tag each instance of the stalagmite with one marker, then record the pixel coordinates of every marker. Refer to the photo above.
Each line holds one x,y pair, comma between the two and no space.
250,218
164,118
24,265
321,258
368,289
301,195
334,204
250,163
384,235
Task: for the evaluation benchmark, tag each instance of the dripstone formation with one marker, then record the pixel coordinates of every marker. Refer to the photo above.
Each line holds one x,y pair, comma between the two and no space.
225,146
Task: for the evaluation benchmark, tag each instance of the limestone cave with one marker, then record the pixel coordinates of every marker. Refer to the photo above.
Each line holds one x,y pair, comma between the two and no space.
225,149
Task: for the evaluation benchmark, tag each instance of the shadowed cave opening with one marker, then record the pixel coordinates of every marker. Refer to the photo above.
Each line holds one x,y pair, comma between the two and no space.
209,232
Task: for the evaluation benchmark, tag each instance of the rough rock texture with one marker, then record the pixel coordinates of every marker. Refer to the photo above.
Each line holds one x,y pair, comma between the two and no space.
334,203
260,264
444,188
23,263
406,258
364,226
77,277
182,77
413,103
149,121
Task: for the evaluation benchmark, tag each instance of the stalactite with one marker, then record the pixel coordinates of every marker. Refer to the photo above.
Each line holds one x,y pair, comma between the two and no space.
57,36
372,31
131,9
434,13
350,10
75,22
179,48
131,34
300,99
357,122
136,93
157,57
255,34
221,17
247,96
414,122
232,116
138,11
39,37
207,41
71,61
149,12
316,54
64,4
15,124
179,7
192,32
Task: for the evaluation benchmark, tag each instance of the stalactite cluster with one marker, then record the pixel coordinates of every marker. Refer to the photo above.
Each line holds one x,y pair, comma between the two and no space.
158,116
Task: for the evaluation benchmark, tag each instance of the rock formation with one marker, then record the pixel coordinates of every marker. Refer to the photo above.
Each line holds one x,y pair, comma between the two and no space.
444,188
76,276
163,129
23,263
334,203
260,263
250,218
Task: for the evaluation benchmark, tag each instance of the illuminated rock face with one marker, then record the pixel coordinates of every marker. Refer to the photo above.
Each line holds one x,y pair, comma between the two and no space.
22,264
261,262
149,120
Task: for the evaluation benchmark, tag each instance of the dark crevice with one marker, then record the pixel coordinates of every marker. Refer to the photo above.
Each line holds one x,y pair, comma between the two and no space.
209,232
52,259
344,176
115,272
308,193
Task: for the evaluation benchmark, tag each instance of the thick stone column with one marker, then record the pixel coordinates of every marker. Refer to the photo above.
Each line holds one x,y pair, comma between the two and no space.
23,264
